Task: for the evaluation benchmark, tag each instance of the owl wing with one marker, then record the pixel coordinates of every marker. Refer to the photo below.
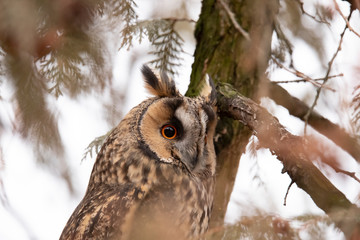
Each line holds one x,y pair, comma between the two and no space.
105,213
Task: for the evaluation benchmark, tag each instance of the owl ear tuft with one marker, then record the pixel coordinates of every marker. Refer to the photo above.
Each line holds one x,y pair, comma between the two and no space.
208,90
161,87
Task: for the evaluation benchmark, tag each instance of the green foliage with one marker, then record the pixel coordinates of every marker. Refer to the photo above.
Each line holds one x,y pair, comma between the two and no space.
54,47
124,9
163,37
61,48
58,48
64,53
77,67
95,145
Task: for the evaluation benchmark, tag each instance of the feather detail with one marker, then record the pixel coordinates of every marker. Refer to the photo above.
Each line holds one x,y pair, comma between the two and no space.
161,87
208,90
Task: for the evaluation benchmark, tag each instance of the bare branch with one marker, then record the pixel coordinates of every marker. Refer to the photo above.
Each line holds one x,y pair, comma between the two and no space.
346,19
233,20
284,40
302,75
301,4
326,78
298,109
287,191
295,154
173,19
350,174
306,80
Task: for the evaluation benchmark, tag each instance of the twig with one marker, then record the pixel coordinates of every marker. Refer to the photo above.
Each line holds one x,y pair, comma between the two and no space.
339,134
281,35
295,72
287,191
309,15
294,152
233,20
326,78
306,80
247,37
172,19
350,174
346,19
325,127
301,74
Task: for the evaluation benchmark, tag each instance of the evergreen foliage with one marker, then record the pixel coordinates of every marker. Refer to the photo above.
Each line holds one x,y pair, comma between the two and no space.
163,37
51,49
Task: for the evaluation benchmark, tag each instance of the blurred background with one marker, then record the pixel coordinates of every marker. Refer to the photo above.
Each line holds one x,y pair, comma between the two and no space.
70,70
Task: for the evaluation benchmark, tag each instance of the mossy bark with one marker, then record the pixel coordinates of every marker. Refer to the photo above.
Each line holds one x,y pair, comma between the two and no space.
224,54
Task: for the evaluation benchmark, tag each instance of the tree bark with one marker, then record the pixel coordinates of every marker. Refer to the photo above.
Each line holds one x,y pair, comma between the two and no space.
227,56
295,153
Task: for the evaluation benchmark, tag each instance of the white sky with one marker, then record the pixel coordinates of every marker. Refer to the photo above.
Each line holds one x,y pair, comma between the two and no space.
44,204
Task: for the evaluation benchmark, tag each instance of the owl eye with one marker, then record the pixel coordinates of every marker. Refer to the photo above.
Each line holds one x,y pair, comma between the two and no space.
168,131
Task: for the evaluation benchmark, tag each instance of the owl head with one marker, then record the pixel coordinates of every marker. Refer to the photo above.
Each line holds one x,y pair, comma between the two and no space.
175,129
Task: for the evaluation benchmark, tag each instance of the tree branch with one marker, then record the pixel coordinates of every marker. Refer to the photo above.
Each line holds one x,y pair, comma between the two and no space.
304,76
301,4
295,153
233,20
330,64
346,19
299,109
306,80
224,53
287,191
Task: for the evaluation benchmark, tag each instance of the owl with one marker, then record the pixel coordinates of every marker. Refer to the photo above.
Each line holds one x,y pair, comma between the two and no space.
154,176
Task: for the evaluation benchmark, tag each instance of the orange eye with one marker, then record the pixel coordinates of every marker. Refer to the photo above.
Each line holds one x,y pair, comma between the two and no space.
168,131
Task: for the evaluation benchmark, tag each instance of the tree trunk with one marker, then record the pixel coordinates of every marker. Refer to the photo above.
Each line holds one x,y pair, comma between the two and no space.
227,56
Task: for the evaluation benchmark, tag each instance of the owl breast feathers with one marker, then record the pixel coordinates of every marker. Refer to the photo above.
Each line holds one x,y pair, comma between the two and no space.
154,175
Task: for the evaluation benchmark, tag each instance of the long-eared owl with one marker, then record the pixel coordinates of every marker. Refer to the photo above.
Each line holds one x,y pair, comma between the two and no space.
154,175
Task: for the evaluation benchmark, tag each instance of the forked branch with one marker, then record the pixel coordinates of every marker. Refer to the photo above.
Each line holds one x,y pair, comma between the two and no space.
324,126
295,153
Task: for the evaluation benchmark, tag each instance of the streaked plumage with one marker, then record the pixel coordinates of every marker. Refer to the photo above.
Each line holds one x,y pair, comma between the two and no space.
154,176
